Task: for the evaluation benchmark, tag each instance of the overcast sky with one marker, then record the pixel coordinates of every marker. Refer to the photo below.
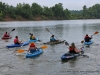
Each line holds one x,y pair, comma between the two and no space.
69,4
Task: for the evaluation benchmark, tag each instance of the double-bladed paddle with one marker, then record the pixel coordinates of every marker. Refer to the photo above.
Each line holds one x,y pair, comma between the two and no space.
66,43
56,37
50,32
21,50
91,35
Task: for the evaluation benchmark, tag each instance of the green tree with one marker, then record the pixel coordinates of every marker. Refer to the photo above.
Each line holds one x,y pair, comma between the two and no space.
84,11
66,14
36,9
58,10
48,12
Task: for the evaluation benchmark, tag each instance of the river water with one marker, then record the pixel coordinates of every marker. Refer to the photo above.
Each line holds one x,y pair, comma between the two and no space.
49,63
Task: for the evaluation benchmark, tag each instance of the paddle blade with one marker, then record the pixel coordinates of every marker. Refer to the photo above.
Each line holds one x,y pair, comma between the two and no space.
30,34
82,41
96,32
20,51
44,47
13,29
39,40
66,43
47,29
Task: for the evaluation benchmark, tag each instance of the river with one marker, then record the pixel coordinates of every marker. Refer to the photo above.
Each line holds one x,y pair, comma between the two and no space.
49,63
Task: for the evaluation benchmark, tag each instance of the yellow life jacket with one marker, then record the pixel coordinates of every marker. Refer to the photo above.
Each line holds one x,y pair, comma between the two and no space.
32,37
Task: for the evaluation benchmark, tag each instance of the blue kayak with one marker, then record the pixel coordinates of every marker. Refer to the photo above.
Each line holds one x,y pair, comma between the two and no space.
36,53
68,55
34,40
88,43
17,45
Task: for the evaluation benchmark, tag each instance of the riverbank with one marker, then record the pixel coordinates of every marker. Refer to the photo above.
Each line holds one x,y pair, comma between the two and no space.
19,18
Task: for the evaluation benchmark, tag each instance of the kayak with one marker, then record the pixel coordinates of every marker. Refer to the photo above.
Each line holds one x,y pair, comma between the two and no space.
17,45
88,43
52,43
68,55
36,53
34,40
7,37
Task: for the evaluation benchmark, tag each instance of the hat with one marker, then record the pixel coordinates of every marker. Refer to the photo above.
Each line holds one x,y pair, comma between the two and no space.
32,45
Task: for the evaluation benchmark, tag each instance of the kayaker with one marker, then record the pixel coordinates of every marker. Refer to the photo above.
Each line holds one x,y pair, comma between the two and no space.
6,34
52,39
73,49
32,48
32,37
87,38
17,41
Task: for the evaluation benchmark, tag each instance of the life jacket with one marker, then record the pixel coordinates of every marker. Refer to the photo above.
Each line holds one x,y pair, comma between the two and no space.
16,41
32,45
87,37
32,37
70,48
52,39
6,35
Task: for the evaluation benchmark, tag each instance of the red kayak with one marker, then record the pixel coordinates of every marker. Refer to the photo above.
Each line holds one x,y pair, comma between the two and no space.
7,37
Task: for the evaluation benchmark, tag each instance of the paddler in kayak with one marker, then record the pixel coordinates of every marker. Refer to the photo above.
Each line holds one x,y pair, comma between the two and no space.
87,38
73,49
6,34
32,48
52,39
32,37
17,41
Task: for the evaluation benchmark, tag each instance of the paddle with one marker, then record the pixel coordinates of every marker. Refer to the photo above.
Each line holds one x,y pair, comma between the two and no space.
12,30
66,43
21,50
56,37
91,35
50,32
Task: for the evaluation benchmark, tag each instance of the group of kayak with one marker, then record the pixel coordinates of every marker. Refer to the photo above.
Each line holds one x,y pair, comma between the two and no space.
74,52
34,51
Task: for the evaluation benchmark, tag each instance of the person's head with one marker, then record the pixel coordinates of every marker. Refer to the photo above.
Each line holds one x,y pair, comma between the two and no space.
6,32
16,37
52,35
73,45
86,34
32,44
31,34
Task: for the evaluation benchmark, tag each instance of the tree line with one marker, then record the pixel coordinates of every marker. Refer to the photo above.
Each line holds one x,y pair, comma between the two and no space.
56,12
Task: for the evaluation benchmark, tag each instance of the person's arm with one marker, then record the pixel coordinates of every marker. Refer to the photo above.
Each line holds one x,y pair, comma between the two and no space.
77,50
91,37
19,41
28,49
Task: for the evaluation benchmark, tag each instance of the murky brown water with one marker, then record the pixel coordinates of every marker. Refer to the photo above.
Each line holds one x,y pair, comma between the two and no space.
49,63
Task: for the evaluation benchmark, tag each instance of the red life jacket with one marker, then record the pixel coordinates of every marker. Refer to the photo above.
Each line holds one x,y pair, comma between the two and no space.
32,45
6,35
87,37
70,48
15,40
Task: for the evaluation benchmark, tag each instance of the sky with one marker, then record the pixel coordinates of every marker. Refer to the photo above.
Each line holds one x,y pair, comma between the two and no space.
69,4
